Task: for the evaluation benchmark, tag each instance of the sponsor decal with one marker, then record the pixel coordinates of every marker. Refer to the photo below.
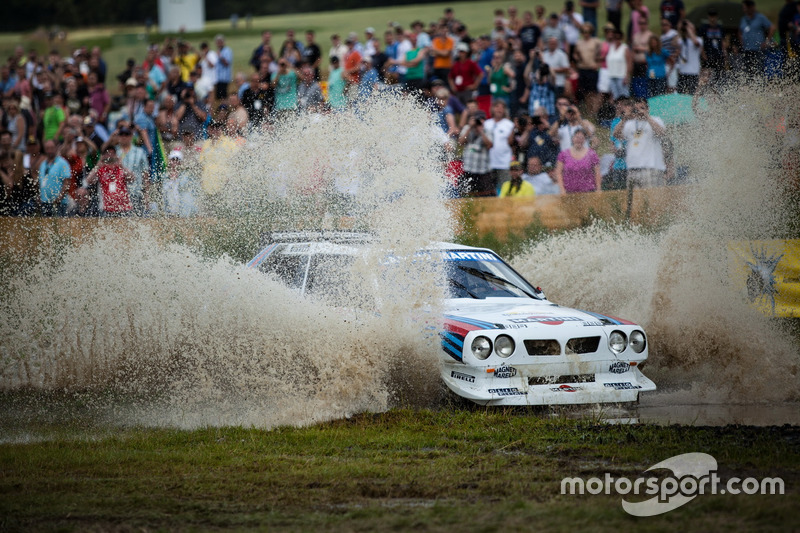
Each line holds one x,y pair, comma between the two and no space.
469,256
550,320
505,372
622,386
462,376
619,367
566,388
592,323
514,326
507,392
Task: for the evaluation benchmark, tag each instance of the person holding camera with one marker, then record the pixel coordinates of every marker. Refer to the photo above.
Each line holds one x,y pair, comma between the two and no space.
476,143
569,120
689,57
192,113
644,156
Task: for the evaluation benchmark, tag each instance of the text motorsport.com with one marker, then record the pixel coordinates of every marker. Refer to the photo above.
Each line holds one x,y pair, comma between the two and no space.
693,474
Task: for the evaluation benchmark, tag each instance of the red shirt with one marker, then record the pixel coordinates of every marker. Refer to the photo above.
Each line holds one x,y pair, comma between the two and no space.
464,74
115,189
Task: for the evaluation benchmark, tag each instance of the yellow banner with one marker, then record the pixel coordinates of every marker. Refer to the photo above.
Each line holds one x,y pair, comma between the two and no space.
769,273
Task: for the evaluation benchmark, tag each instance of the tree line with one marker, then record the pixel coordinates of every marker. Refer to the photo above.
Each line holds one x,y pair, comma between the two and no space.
24,15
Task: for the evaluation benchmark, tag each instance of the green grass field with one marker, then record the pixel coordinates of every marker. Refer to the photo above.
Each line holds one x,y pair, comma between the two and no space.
445,470
120,43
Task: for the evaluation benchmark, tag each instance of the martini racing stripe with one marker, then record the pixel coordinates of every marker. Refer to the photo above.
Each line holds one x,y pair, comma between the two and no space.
610,319
260,257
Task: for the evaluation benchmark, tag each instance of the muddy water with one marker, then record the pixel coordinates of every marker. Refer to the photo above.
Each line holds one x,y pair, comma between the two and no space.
130,331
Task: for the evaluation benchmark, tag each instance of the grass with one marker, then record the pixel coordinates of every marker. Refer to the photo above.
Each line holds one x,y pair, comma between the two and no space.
433,470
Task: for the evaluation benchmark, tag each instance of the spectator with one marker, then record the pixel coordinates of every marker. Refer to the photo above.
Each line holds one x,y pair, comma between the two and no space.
191,114
553,30
539,90
640,15
309,93
558,62
224,68
539,143
529,34
54,116
352,67
589,11
336,85
689,58
258,100
209,59
571,22
369,42
167,121
616,178
444,114
414,62
578,167
619,64
513,23
291,43
16,124
541,179
179,189
312,55
442,49
755,34
113,181
614,13
82,160
640,47
473,137
12,177
501,78
338,49
185,60
587,56
642,134
786,25
135,160
284,83
499,129
657,65
569,121
237,123
264,50
712,34
674,11
516,187
670,43
54,175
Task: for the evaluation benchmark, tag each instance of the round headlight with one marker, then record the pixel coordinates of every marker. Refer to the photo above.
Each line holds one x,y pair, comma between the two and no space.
638,341
617,342
504,346
481,347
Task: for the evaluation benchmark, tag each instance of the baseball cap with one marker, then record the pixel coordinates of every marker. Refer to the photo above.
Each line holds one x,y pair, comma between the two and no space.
370,30
351,37
515,165
176,154
462,47
131,82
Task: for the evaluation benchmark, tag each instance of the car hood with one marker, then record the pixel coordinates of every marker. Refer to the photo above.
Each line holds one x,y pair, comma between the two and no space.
513,313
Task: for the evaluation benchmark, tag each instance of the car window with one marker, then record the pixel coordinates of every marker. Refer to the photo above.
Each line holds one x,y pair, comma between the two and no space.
483,275
289,268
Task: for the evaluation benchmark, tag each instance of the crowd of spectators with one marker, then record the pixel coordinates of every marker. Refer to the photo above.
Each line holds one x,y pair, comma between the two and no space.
521,109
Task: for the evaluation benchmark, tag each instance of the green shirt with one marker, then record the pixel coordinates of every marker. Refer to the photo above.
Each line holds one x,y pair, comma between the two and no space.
417,72
336,89
53,117
285,91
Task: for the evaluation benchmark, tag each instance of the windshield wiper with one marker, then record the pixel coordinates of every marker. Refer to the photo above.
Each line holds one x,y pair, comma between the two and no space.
488,276
463,288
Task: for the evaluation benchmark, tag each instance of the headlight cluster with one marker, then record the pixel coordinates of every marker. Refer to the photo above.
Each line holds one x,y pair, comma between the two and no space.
503,346
618,341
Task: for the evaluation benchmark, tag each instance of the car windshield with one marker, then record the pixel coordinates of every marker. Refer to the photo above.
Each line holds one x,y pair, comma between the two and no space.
468,274
483,275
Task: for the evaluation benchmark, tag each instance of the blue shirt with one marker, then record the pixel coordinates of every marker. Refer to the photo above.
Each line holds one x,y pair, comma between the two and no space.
225,72
657,65
754,31
52,177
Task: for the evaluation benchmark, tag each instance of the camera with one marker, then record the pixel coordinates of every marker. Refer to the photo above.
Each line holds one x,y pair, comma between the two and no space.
536,121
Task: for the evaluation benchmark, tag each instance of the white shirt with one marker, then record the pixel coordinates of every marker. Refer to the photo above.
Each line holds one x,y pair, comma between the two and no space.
643,149
500,153
689,60
571,32
403,47
557,59
542,183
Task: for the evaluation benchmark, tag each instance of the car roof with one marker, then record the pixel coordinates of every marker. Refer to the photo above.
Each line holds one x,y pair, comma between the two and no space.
343,242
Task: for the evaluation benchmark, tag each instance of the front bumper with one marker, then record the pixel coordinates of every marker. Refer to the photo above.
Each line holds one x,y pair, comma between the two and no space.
523,385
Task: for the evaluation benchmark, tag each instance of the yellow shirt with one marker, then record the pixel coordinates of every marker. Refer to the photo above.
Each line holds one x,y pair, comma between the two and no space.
525,190
186,63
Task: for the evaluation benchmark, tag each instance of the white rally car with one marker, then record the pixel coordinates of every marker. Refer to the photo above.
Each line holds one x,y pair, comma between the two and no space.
503,342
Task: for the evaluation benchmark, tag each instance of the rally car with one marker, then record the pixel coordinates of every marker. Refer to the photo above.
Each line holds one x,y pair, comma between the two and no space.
502,341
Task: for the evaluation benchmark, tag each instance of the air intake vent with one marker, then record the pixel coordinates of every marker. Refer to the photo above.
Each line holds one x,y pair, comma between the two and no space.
542,347
583,345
